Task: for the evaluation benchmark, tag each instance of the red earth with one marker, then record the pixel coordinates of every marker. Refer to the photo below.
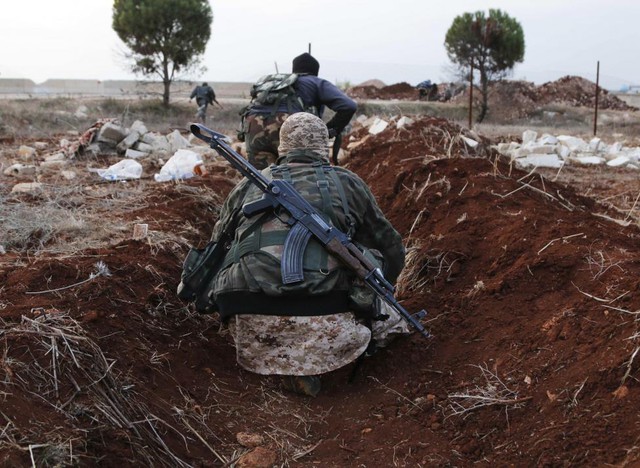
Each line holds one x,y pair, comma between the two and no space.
532,291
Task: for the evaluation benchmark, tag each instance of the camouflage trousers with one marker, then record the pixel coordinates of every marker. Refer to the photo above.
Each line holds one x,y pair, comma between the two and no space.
262,138
279,345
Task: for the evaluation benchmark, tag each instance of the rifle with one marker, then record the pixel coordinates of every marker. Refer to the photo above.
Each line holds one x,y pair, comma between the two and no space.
304,222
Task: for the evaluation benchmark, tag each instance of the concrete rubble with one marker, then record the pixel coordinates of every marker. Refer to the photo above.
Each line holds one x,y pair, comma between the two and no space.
135,144
556,151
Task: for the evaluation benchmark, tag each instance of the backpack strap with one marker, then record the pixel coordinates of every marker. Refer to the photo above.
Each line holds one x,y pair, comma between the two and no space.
351,225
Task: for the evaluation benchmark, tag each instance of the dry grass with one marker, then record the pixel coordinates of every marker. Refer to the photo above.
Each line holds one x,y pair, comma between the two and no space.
61,366
44,118
491,391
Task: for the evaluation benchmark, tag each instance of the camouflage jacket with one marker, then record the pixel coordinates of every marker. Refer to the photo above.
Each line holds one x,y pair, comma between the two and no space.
251,278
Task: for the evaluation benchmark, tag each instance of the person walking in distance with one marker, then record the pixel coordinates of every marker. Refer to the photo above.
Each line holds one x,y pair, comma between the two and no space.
204,95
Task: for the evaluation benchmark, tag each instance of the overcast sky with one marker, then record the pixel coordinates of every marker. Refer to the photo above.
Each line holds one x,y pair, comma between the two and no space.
354,40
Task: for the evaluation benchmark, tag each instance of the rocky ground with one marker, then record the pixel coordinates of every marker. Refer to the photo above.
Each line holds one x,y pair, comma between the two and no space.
530,280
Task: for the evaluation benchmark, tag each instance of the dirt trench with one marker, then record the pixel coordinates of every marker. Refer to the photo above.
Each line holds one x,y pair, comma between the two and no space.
532,293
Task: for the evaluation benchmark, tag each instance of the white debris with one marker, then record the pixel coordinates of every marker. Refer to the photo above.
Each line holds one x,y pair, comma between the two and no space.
20,170
588,160
40,145
177,141
573,143
378,126
32,188
69,175
404,122
179,166
144,147
470,142
140,127
529,136
568,149
2,250
26,152
128,141
56,157
111,133
540,160
619,161
135,154
122,170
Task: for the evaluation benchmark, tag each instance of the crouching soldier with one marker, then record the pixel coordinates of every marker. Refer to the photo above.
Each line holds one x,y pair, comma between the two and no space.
304,329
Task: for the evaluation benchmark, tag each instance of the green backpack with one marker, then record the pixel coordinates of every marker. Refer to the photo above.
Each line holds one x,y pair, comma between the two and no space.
272,90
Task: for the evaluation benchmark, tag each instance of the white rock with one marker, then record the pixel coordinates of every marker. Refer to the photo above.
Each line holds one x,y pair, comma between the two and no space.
595,144
2,250
69,175
547,139
563,151
27,187
619,161
135,154
573,143
361,119
404,122
529,136
615,148
140,127
56,157
522,152
54,164
470,142
111,133
26,152
588,160
128,141
144,147
378,126
20,170
540,160
177,141
40,145
503,148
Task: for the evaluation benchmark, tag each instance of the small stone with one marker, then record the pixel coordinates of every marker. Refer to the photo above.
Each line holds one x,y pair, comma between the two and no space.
621,392
259,457
249,440
27,187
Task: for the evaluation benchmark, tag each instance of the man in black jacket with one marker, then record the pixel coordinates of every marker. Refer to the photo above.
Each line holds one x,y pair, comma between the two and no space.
262,123
204,95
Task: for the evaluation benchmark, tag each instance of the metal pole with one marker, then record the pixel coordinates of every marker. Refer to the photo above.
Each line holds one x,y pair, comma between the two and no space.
595,117
276,63
309,47
471,96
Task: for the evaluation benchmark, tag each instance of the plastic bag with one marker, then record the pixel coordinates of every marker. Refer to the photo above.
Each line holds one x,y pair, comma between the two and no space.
122,170
180,166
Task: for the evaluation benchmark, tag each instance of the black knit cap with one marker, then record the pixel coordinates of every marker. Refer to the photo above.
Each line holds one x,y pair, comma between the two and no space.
305,63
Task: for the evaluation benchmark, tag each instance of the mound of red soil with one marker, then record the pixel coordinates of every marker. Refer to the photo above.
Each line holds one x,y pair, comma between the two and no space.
402,91
531,300
577,91
512,99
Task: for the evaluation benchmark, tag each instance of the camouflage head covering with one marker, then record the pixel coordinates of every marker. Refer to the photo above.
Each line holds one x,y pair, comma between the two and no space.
304,131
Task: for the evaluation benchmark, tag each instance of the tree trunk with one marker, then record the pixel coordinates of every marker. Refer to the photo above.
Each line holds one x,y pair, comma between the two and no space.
484,91
166,80
165,94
